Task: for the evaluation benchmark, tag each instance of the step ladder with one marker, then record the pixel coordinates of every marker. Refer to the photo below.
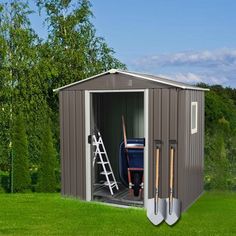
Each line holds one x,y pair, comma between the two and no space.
100,152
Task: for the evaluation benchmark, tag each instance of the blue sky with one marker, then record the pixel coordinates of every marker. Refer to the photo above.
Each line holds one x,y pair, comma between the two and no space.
187,40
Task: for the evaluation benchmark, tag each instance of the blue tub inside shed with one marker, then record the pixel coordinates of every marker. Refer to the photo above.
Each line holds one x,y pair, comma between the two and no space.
135,158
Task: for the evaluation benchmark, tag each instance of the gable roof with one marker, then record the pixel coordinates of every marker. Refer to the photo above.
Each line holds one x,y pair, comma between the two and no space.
154,78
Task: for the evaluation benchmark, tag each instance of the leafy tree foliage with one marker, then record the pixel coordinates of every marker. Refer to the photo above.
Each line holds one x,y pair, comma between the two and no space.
220,138
72,49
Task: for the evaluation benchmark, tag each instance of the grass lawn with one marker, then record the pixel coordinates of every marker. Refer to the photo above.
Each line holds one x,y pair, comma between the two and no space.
50,214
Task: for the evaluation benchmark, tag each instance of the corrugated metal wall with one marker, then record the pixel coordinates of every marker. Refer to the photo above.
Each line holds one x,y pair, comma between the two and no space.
72,142
192,148
163,105
169,119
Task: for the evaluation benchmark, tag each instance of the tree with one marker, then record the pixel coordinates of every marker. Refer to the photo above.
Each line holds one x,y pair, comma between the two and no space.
72,51
220,139
21,177
47,166
73,46
22,75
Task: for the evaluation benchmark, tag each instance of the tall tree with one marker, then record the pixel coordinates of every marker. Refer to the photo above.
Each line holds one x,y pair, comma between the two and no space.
73,45
21,72
72,49
21,177
47,166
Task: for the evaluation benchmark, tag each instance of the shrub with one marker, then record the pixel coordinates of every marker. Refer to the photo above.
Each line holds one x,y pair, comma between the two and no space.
4,181
47,167
21,177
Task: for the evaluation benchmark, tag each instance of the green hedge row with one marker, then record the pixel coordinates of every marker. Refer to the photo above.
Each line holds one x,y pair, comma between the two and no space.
5,180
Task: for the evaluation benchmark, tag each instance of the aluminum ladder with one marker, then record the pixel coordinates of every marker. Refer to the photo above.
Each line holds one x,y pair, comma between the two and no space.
101,153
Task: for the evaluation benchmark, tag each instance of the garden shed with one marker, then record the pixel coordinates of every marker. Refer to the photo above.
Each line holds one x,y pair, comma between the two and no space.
160,111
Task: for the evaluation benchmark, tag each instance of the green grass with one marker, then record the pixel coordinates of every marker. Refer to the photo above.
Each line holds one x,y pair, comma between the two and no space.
50,214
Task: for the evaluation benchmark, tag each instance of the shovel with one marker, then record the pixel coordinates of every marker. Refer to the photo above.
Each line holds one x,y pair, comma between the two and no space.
172,204
156,207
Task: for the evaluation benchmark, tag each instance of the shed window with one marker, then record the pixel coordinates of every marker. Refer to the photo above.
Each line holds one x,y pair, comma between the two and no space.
194,111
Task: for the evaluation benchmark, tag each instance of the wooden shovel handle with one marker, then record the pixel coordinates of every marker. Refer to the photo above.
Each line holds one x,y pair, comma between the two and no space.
171,171
157,167
124,130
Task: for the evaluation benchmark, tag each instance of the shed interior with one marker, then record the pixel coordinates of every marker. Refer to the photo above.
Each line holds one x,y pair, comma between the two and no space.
106,115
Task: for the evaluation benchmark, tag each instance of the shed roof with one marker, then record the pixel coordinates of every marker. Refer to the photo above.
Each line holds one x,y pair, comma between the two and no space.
140,76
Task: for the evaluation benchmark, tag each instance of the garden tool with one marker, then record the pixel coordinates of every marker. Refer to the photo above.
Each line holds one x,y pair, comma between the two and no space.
156,207
172,203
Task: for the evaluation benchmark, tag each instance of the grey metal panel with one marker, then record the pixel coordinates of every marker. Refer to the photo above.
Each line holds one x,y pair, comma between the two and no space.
156,120
72,142
182,143
164,121
165,117
187,176
202,145
191,170
79,144
83,156
151,162
173,132
66,147
61,114
116,81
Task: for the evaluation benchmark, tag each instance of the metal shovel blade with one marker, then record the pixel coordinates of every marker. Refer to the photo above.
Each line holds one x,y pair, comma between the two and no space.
156,216
172,211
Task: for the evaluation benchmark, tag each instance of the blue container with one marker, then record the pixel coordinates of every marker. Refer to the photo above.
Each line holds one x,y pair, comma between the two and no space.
135,158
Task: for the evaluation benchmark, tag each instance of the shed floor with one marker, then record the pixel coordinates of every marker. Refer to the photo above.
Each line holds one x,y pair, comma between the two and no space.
121,196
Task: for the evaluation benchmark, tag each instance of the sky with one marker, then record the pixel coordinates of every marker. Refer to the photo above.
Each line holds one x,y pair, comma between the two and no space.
186,40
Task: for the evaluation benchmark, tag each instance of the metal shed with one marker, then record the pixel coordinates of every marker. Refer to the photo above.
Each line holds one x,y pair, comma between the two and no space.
155,109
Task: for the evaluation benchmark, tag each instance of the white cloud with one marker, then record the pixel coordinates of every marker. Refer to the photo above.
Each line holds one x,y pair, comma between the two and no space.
193,78
212,67
205,58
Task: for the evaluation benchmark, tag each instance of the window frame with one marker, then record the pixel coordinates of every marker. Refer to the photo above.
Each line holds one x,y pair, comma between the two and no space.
195,129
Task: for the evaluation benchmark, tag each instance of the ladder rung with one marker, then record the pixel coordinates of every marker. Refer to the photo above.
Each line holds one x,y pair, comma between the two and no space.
111,183
105,162
108,172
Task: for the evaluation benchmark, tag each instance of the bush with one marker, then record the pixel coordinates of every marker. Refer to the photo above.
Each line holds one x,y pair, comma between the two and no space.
4,181
21,177
34,177
47,167
58,179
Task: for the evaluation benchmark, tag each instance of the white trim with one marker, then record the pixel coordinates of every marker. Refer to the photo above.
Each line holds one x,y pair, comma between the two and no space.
194,130
146,112
113,204
113,71
87,132
87,147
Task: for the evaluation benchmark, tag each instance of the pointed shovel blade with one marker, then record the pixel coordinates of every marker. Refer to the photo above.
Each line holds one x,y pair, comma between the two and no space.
156,216
172,211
